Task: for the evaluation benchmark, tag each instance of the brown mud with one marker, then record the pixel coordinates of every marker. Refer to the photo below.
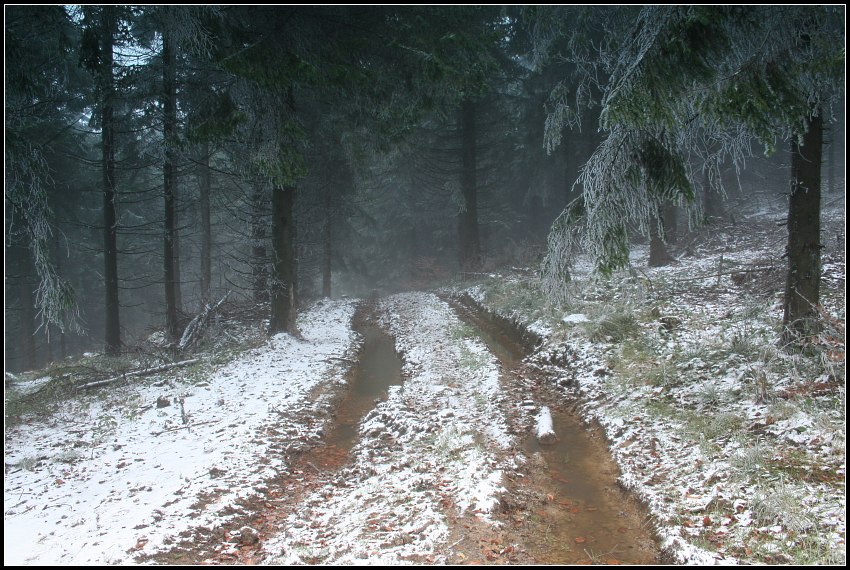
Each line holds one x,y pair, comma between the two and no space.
565,506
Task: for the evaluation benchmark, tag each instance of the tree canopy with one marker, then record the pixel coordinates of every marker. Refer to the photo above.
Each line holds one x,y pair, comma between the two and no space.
681,90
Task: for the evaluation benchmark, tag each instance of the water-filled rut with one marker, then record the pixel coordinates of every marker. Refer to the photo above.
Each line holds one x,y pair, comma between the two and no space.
585,516
379,368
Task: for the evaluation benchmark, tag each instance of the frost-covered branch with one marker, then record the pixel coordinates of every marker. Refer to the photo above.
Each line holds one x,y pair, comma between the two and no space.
27,180
684,91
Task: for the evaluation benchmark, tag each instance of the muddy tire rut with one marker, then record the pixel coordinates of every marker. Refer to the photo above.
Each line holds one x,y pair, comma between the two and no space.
562,504
565,506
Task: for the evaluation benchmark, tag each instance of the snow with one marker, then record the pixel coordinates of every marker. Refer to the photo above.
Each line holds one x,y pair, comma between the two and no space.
694,439
420,450
108,478
545,430
112,475
575,318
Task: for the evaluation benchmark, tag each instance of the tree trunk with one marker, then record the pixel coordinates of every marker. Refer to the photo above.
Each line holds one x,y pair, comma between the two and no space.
259,258
802,289
48,346
712,206
671,229
56,253
19,267
284,262
831,160
470,246
658,254
178,289
327,242
28,323
169,170
112,335
206,231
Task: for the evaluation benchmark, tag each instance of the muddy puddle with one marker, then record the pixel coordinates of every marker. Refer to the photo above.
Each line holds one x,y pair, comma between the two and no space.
378,367
584,516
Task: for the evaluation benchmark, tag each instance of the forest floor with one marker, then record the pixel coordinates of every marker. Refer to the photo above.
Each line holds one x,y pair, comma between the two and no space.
687,433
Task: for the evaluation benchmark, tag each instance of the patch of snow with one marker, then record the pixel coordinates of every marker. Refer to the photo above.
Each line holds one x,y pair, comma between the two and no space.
545,430
575,318
110,478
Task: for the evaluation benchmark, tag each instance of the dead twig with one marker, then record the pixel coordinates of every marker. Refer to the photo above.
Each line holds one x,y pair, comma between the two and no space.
145,372
183,427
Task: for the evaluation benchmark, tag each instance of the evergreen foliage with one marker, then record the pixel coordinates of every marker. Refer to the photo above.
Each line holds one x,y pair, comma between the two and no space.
682,89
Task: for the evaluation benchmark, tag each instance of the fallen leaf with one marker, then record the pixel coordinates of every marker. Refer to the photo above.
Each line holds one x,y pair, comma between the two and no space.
706,521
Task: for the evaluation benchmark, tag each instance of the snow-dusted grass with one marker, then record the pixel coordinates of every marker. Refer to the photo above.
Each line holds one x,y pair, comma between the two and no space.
735,442
114,470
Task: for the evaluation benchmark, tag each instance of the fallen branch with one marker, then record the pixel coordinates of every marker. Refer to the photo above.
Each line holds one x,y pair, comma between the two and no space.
347,360
719,274
195,329
145,372
183,427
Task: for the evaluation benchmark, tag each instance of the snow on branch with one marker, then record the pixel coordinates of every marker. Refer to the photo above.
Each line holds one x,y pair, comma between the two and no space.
196,327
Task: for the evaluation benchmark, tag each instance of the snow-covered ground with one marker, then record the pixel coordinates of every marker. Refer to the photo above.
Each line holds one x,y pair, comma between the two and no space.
114,474
736,443
420,452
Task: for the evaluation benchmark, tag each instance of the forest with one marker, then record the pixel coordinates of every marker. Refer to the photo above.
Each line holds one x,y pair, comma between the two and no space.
199,196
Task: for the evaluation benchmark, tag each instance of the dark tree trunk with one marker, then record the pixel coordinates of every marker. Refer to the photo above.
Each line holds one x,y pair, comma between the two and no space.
712,205
56,253
283,264
658,254
28,324
112,335
259,257
327,243
178,289
284,268
206,229
169,170
48,346
802,289
831,160
671,230
470,246
20,268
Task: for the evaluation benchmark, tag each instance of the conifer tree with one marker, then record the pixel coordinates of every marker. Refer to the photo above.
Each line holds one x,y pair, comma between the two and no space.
674,81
